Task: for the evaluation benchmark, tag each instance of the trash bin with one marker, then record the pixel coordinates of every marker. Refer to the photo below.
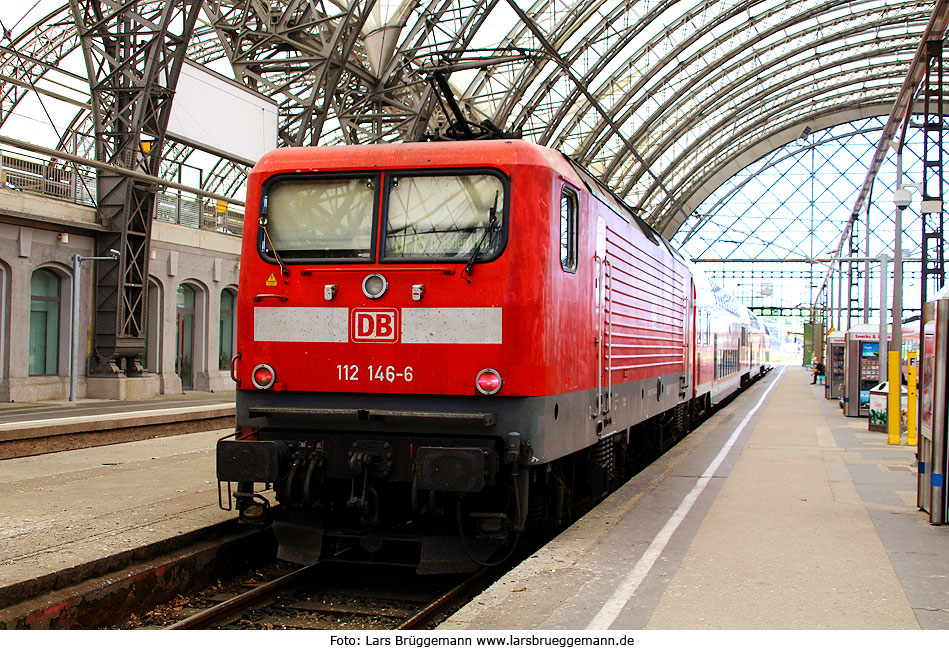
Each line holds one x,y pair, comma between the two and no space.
879,396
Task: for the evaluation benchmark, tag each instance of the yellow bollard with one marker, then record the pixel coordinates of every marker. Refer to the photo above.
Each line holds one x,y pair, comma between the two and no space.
911,399
893,398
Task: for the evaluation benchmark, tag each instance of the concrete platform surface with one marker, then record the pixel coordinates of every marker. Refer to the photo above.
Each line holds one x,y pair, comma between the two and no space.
16,416
65,509
52,426
798,519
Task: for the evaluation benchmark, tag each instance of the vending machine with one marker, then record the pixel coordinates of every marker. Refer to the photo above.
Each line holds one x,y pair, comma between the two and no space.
834,365
861,369
932,451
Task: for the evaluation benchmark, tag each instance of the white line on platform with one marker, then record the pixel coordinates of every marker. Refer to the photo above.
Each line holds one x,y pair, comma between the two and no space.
624,592
92,418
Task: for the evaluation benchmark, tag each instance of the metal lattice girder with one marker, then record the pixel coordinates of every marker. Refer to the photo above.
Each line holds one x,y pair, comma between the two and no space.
934,127
133,52
788,208
345,75
291,51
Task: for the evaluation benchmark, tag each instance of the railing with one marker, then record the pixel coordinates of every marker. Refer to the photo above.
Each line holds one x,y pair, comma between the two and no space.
186,209
77,184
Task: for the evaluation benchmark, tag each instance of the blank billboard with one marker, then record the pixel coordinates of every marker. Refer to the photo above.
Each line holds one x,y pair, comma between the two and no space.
218,115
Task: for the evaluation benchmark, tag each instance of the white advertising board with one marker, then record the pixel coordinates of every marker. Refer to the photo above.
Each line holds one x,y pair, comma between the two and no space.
218,115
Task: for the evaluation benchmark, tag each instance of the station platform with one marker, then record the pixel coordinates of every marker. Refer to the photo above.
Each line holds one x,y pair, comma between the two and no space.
123,475
76,514
777,513
52,426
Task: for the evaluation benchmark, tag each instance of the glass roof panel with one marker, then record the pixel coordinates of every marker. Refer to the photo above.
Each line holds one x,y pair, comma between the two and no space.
793,204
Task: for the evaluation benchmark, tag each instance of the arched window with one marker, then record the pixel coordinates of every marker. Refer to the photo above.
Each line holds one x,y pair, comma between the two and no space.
184,356
44,323
228,301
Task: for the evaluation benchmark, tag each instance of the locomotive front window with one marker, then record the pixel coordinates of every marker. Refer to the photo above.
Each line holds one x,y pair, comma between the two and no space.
319,218
445,217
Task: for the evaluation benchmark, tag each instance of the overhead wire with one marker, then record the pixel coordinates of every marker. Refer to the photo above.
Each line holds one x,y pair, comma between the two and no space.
594,102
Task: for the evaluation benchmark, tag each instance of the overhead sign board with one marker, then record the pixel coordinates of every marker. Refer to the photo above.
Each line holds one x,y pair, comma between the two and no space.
217,115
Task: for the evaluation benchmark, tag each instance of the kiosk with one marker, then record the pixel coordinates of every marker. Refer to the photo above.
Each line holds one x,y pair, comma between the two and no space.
834,365
861,369
931,449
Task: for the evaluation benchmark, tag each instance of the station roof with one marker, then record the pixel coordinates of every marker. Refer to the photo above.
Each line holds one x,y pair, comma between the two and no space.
664,100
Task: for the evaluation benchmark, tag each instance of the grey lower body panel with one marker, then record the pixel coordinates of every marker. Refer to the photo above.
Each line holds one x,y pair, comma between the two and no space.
554,426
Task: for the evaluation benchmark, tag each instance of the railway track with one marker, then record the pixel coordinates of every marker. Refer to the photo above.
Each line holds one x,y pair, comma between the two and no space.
326,596
110,592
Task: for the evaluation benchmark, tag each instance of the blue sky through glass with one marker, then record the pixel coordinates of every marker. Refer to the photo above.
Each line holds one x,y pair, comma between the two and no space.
791,206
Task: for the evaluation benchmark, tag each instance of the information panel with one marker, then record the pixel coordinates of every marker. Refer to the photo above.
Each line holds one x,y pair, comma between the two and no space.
218,115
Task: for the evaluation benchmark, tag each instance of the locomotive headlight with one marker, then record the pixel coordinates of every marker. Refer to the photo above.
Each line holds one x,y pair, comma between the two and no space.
374,286
263,376
488,382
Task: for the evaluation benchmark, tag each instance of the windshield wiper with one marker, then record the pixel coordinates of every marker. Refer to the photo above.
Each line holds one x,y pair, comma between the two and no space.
492,220
262,223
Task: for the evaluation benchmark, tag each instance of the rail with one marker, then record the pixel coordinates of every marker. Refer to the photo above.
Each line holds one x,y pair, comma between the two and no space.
236,605
76,183
316,593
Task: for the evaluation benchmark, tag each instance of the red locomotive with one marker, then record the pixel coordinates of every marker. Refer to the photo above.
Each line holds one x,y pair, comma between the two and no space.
442,344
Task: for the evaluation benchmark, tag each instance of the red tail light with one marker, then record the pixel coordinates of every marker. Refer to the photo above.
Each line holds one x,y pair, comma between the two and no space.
488,381
263,376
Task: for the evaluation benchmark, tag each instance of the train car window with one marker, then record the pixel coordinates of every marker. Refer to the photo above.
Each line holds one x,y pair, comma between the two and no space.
569,207
319,218
718,358
445,217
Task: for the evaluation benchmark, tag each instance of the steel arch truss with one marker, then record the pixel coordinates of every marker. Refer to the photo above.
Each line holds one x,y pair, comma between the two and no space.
787,211
686,86
699,89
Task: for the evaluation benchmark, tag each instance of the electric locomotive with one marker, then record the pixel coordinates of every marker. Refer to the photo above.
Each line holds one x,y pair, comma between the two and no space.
442,344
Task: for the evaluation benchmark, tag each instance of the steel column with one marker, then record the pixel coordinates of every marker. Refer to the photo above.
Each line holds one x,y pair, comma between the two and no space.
133,52
934,185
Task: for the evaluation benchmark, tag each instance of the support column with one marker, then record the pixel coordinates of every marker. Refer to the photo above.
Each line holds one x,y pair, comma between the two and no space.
133,55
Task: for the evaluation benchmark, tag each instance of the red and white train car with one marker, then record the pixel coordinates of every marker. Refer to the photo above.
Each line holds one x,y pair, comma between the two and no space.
733,346
441,343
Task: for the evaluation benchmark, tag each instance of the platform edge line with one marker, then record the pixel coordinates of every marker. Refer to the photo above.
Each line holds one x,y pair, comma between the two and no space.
611,609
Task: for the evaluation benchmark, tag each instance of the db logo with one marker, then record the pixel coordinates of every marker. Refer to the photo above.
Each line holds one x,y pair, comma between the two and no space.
374,325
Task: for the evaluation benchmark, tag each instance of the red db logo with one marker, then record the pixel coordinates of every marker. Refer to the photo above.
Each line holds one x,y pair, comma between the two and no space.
374,325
